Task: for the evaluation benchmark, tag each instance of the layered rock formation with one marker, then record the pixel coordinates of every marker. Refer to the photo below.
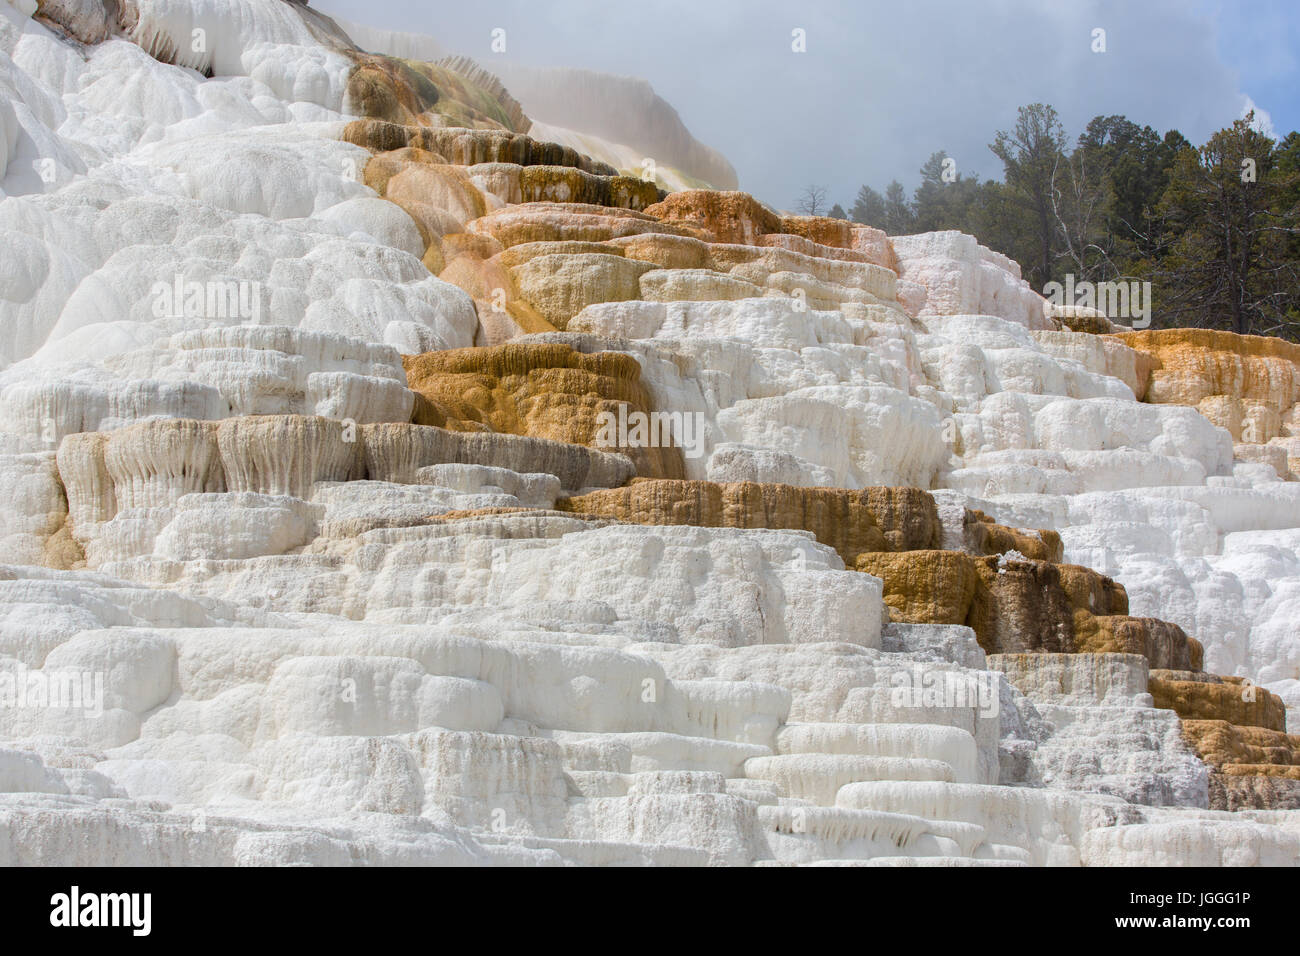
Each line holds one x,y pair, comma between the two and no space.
1246,384
619,109
618,120
393,482
546,391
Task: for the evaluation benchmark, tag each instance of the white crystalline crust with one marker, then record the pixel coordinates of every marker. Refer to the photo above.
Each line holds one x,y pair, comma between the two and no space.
280,650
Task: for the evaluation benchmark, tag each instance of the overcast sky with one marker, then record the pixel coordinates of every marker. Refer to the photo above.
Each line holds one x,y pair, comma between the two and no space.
884,84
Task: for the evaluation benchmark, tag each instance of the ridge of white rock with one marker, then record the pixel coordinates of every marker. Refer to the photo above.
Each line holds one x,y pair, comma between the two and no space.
251,614
1039,429
618,120
1102,732
620,110
399,43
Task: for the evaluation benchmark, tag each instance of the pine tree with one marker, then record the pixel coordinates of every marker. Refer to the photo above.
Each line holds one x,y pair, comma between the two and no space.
900,218
868,208
945,200
1032,155
1231,205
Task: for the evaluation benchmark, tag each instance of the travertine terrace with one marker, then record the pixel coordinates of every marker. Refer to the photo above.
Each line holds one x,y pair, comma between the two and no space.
313,552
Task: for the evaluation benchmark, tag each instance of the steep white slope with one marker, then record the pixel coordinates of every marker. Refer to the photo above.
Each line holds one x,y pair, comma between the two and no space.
300,629
618,109
128,179
1039,429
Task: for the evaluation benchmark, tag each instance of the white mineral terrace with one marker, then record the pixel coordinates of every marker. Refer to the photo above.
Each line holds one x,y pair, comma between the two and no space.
264,651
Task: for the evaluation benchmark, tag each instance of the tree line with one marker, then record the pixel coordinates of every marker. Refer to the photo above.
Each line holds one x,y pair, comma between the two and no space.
1215,229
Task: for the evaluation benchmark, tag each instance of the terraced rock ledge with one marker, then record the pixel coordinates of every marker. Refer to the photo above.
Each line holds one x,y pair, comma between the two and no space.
912,569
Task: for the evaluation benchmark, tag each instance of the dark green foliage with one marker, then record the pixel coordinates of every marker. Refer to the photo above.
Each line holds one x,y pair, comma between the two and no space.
868,208
1222,250
1231,222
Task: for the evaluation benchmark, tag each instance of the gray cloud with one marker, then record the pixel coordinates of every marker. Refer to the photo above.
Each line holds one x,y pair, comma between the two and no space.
881,86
